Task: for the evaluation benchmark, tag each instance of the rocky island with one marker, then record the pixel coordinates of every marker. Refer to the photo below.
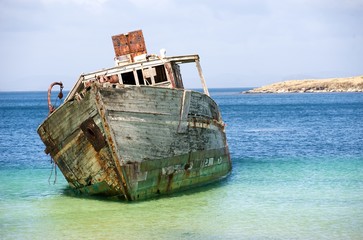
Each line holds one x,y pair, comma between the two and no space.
349,84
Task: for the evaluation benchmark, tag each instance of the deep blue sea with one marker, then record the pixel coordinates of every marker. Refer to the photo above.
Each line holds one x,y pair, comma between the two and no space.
297,174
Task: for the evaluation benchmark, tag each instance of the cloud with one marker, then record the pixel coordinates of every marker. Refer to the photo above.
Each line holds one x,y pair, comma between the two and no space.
77,2
154,5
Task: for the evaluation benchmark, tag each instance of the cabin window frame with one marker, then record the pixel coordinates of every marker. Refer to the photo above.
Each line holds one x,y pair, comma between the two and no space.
132,75
139,72
152,78
120,78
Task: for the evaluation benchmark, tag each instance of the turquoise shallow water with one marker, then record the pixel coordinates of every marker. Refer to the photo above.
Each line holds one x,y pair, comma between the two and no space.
297,174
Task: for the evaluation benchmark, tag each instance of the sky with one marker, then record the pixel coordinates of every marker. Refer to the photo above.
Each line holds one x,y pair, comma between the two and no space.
242,43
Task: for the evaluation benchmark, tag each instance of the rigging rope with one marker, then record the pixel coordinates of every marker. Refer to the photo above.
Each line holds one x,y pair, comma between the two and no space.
54,166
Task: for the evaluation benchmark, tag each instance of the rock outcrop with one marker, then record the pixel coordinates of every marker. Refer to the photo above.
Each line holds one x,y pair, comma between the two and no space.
350,84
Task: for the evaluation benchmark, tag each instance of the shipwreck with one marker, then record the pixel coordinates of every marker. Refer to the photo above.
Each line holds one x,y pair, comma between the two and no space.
132,131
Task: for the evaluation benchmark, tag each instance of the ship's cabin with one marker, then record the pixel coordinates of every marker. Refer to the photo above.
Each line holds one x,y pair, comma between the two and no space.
134,67
150,71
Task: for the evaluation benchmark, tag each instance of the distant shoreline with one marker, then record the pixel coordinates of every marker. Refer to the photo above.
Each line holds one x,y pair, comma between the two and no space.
348,84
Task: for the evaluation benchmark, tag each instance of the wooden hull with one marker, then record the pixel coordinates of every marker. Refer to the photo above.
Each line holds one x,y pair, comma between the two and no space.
137,142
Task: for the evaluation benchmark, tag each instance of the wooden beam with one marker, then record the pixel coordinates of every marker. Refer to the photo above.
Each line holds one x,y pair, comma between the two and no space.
202,77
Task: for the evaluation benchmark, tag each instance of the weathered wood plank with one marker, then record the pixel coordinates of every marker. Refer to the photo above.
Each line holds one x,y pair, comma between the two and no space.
166,139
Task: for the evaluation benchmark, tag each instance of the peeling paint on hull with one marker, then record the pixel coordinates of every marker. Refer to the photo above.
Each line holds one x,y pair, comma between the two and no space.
111,143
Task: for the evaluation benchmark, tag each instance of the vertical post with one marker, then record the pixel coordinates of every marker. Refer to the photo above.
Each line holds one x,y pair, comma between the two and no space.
152,76
202,77
136,77
120,78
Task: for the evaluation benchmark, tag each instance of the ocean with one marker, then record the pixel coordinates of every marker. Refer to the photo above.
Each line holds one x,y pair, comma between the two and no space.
297,174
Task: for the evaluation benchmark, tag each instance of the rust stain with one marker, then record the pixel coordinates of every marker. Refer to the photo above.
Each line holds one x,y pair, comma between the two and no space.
93,134
131,43
118,169
170,180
